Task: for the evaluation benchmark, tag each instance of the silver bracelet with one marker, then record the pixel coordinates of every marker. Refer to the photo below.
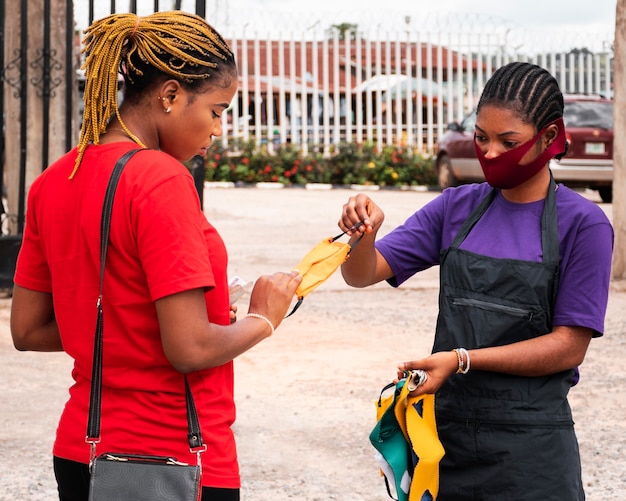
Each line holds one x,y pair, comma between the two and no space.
264,318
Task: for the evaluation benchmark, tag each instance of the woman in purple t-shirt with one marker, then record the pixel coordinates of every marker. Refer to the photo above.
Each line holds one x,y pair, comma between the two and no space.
525,270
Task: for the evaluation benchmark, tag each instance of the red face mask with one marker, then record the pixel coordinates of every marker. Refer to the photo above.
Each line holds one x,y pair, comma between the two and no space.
505,171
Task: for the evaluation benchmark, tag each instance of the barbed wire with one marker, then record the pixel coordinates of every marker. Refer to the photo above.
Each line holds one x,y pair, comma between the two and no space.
268,23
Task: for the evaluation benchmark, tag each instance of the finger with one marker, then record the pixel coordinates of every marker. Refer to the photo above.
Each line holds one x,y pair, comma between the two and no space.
357,212
293,275
364,214
295,278
405,366
349,215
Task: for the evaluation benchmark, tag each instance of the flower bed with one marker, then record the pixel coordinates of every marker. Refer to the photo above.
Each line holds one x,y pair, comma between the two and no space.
346,164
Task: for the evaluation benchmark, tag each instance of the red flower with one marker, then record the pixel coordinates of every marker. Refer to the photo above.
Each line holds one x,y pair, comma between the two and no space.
245,160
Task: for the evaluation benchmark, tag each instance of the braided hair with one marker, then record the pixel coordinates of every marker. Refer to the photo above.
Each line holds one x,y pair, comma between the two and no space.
528,90
146,50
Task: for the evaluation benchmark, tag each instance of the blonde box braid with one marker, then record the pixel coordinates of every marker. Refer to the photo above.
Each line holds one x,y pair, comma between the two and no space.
176,43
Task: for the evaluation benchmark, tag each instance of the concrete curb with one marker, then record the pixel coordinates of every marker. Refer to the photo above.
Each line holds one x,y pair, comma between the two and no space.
312,186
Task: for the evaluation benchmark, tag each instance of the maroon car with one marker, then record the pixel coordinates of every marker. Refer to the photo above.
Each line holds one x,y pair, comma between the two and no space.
588,163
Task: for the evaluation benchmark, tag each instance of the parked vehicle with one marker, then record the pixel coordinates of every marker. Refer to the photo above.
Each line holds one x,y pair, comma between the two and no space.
588,162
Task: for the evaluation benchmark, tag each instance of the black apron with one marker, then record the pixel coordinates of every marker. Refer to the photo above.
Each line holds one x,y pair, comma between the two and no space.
505,437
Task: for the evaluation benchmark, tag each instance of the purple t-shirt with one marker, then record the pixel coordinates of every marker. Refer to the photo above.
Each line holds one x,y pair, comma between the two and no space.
511,230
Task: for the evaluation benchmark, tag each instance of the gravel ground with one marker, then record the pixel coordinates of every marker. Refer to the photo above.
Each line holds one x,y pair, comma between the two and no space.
306,396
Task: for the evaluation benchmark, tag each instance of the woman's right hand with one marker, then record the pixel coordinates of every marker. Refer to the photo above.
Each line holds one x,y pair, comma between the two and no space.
361,208
438,367
272,295
366,265
191,342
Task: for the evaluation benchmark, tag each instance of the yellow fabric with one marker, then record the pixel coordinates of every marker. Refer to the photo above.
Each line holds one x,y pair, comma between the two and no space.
400,410
320,263
415,417
381,406
424,439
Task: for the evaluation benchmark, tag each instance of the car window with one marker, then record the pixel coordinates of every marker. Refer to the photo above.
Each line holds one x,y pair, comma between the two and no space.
588,114
469,122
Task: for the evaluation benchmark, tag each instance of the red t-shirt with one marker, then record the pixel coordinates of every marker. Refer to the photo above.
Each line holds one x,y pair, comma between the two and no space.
160,244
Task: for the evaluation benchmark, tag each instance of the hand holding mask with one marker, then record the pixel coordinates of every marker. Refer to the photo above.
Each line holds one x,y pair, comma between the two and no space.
320,263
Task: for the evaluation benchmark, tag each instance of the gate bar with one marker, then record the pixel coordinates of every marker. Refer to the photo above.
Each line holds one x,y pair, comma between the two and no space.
70,74
23,91
2,120
46,55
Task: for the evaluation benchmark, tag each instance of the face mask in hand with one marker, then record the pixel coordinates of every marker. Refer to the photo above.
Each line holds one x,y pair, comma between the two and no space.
320,263
505,171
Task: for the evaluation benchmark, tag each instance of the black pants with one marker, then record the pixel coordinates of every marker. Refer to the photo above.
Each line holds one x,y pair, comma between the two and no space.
73,482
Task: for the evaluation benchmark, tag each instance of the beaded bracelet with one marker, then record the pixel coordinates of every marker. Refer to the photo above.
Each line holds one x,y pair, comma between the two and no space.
467,360
459,361
463,359
264,318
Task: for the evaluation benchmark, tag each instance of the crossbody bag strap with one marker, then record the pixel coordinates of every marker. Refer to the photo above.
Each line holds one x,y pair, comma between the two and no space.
95,399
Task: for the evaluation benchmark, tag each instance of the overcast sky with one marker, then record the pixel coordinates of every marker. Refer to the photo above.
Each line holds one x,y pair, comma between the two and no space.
565,13
562,14
594,14
524,20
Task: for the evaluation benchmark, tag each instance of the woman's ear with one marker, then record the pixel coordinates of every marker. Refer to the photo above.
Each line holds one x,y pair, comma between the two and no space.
168,91
550,134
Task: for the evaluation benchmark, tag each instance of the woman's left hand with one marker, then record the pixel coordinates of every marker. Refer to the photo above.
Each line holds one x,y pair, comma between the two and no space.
438,366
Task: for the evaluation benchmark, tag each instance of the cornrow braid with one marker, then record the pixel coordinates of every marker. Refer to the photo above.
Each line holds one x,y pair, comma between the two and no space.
528,90
175,44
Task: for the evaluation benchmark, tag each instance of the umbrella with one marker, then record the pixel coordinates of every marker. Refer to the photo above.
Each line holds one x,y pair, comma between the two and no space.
381,82
399,86
413,85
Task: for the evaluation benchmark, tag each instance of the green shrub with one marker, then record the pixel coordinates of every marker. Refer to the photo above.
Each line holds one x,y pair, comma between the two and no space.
345,164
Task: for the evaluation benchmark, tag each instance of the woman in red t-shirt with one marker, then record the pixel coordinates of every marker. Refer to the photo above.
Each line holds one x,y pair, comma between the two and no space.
166,304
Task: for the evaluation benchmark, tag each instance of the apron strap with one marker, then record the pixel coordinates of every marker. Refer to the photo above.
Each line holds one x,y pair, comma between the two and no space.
549,228
473,218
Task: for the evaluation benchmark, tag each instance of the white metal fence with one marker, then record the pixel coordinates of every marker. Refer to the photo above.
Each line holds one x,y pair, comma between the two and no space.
394,89
317,79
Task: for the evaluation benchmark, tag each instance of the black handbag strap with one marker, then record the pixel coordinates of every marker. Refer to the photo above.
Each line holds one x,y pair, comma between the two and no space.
194,435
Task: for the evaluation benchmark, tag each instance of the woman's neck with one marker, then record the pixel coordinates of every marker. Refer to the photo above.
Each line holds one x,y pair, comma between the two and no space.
536,188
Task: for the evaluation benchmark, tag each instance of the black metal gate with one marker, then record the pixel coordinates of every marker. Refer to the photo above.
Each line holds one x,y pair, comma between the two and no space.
36,81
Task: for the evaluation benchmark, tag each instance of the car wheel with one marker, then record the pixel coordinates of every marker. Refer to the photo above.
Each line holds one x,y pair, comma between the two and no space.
445,177
606,194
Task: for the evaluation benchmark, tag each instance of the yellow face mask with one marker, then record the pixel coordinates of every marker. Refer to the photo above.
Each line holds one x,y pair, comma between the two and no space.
320,263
